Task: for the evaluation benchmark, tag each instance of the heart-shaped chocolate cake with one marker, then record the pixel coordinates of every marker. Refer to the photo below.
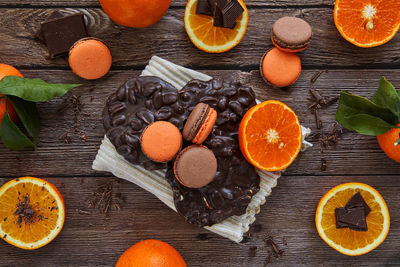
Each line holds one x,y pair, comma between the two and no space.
143,100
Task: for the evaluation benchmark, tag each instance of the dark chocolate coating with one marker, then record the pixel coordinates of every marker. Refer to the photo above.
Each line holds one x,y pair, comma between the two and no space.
140,101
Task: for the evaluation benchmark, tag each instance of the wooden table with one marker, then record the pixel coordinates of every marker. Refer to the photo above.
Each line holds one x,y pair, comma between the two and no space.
90,238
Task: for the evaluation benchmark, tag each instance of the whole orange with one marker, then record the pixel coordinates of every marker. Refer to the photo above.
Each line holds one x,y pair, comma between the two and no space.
151,253
7,70
387,143
135,13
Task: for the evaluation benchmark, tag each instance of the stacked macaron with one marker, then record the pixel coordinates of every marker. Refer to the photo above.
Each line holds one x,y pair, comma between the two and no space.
281,66
196,165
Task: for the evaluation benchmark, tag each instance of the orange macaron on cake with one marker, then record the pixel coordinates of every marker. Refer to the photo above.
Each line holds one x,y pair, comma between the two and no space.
161,141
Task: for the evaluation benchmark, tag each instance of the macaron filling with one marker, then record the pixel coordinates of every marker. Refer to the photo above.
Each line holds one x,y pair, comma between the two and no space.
161,141
195,166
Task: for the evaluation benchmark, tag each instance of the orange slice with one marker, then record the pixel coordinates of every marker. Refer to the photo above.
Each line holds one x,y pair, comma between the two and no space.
270,136
208,38
345,240
31,212
367,23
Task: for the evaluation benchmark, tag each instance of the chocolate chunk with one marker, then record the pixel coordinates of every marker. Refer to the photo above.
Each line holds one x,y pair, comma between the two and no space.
203,8
61,33
218,16
358,201
39,34
230,13
338,213
236,180
354,218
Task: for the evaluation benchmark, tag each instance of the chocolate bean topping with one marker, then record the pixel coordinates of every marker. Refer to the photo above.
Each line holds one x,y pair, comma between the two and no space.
118,120
236,181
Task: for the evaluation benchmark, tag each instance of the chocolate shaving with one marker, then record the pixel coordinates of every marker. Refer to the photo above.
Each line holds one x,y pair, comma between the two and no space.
318,121
252,251
315,77
26,213
103,198
277,252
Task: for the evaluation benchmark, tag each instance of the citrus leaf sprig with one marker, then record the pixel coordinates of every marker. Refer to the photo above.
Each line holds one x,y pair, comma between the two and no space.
370,117
23,93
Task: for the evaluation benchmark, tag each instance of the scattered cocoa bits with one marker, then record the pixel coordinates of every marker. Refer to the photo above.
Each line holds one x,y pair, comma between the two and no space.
26,213
252,251
315,77
332,138
103,198
203,237
323,164
256,228
277,252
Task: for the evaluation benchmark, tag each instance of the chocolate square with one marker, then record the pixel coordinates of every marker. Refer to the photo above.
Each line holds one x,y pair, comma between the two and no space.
231,12
61,33
354,218
203,8
55,15
358,201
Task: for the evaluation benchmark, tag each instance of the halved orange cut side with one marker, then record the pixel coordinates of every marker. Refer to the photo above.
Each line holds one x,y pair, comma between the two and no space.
345,240
203,34
367,23
31,212
270,136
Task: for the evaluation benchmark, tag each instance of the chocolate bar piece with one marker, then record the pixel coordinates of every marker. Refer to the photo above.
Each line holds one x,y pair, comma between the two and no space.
203,8
338,213
358,201
61,33
231,12
354,218
55,15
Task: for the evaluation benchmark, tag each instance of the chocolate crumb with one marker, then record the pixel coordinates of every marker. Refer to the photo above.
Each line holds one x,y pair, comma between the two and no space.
252,251
256,228
315,77
5,236
203,237
5,219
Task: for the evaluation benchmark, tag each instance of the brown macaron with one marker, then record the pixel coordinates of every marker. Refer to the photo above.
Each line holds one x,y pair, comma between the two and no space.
90,58
291,34
195,166
199,123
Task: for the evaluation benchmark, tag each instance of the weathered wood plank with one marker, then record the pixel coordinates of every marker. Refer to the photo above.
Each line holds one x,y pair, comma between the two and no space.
96,240
131,47
174,3
354,154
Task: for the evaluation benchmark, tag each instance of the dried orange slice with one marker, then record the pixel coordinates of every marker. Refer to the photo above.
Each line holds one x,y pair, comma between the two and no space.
345,240
31,212
270,136
367,23
208,38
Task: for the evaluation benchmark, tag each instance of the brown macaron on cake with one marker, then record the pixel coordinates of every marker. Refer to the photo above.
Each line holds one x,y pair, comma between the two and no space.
161,141
199,123
90,58
195,166
291,34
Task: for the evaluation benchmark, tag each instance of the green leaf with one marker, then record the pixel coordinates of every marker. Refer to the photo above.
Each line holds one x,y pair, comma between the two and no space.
368,125
351,105
11,135
35,90
28,114
387,97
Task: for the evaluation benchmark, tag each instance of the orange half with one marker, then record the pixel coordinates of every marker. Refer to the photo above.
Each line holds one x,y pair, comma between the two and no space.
270,136
367,23
42,209
203,34
345,240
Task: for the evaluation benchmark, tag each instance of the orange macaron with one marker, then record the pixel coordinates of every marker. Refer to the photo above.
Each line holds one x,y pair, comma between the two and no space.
90,58
280,68
161,141
199,123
